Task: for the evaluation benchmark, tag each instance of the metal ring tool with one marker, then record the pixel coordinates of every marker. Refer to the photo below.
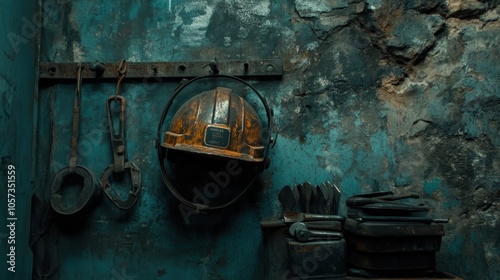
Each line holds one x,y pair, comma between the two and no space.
118,146
89,193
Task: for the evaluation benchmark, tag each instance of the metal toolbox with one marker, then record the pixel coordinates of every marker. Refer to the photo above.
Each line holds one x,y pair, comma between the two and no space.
392,245
391,261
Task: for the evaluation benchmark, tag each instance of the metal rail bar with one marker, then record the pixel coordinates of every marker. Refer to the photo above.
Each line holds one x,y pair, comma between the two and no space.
108,71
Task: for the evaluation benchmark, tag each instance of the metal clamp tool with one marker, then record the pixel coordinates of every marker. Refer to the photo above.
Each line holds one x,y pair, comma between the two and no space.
89,192
118,146
302,233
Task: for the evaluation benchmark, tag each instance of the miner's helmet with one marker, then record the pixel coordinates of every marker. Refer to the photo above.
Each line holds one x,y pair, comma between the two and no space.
217,123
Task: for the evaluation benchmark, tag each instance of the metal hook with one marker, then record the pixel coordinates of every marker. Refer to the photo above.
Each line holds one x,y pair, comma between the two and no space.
120,163
122,67
78,90
213,66
122,70
98,68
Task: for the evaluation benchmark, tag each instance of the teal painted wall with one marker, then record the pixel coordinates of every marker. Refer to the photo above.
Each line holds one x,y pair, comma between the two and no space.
376,95
18,43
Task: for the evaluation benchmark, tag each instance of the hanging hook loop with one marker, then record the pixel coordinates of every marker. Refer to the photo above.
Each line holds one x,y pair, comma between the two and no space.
122,71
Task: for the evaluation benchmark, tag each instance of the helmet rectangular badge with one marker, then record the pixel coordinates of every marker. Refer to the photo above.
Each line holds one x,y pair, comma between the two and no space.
216,136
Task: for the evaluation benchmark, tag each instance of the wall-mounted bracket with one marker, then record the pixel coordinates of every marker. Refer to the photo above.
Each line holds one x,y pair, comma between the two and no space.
108,71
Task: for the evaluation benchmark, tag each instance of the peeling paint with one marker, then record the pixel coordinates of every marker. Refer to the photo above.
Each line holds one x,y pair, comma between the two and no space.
374,4
249,8
78,52
191,22
314,9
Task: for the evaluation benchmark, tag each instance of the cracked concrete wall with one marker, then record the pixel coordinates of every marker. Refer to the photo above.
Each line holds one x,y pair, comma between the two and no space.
412,91
376,95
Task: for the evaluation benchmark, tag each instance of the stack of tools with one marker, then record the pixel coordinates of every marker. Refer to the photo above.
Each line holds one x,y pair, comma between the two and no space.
316,247
388,238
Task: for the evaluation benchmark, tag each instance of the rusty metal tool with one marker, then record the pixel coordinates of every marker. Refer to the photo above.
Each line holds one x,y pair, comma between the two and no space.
359,201
392,207
322,200
302,233
291,216
322,225
296,194
305,196
398,197
89,194
118,146
336,197
313,205
287,198
374,194
316,220
307,191
50,71
398,219
329,198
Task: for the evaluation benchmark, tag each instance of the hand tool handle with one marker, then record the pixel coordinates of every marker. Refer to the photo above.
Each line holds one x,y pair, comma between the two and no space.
374,194
398,197
360,201
329,234
324,194
272,223
305,196
319,217
336,198
287,198
321,225
76,120
324,225
398,219
314,203
304,234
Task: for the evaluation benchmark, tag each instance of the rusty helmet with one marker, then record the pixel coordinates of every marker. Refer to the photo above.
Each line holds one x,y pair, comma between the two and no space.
217,123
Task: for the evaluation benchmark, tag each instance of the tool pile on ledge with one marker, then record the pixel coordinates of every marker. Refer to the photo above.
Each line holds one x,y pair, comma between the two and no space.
388,238
315,228
319,206
384,237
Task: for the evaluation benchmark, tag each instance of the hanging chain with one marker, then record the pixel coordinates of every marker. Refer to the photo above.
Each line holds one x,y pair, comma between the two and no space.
122,70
